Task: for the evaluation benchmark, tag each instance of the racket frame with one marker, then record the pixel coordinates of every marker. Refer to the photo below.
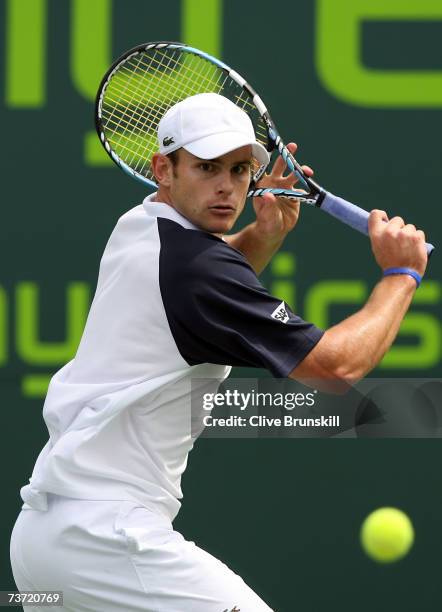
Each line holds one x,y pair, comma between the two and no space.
312,193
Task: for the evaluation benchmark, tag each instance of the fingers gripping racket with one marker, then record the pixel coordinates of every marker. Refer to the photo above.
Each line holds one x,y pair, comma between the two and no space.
146,81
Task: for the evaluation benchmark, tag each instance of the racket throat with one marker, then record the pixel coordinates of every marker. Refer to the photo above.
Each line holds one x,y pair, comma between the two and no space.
321,198
317,191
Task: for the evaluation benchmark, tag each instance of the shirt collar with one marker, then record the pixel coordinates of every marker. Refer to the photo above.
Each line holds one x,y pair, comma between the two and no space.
161,209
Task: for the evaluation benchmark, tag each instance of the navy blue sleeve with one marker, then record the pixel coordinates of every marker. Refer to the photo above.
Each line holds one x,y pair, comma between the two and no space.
219,312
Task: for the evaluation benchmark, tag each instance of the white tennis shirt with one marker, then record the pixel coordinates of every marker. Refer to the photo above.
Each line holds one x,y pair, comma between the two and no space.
173,305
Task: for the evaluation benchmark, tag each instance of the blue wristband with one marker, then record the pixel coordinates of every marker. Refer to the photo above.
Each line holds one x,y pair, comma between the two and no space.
417,277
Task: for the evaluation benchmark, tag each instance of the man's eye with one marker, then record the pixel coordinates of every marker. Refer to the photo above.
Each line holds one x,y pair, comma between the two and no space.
240,169
206,167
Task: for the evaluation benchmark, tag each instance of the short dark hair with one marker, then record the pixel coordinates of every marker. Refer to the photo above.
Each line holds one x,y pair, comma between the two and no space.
173,156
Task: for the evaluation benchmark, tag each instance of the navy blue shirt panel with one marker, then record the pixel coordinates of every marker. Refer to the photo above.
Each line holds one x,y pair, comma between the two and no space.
217,309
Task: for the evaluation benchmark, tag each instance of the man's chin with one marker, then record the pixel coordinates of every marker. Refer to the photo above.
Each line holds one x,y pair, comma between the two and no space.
219,228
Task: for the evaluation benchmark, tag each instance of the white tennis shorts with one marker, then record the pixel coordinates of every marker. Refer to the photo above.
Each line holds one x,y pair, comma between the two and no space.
113,556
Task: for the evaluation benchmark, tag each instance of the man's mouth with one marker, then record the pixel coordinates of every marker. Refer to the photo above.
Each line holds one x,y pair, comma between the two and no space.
222,207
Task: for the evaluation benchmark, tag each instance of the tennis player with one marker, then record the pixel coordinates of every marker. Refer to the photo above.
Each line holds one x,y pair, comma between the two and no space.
178,300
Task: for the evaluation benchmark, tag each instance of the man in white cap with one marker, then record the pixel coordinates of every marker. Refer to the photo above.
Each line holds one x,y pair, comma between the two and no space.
176,306
202,141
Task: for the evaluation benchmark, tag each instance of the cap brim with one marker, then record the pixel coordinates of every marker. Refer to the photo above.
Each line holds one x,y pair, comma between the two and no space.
216,145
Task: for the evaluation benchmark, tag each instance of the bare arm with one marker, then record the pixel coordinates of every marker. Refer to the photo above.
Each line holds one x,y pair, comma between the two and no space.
349,350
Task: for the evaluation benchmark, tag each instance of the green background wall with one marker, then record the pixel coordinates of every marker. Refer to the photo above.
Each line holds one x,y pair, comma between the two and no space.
358,84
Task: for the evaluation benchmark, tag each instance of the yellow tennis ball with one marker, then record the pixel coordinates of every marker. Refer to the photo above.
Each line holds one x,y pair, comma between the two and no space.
387,535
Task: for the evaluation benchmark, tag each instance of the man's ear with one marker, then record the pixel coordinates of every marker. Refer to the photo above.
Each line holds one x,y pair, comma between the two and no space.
162,168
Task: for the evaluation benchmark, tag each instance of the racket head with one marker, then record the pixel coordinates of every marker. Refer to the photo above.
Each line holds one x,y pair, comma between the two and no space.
141,86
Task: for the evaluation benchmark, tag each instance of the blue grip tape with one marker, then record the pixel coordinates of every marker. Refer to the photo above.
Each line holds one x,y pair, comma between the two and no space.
352,215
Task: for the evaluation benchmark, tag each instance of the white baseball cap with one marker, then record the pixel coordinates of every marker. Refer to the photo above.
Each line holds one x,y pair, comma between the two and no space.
208,125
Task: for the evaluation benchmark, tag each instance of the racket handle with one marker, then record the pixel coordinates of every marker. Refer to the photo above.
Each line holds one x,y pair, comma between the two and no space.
351,215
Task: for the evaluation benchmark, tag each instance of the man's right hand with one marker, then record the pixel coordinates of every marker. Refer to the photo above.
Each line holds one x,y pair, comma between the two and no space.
395,244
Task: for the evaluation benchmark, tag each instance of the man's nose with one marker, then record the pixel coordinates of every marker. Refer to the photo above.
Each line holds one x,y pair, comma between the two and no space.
225,182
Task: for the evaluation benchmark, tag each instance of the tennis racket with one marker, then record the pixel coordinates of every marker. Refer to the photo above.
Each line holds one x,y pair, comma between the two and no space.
147,80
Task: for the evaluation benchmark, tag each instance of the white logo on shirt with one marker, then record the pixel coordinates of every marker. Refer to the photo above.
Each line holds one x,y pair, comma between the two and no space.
280,313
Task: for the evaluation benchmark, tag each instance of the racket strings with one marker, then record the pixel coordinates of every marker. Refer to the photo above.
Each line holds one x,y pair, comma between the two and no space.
156,112
140,114
148,68
195,82
113,109
136,136
122,115
183,88
152,114
146,85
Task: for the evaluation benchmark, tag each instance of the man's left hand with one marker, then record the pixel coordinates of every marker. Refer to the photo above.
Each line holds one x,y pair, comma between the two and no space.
275,217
